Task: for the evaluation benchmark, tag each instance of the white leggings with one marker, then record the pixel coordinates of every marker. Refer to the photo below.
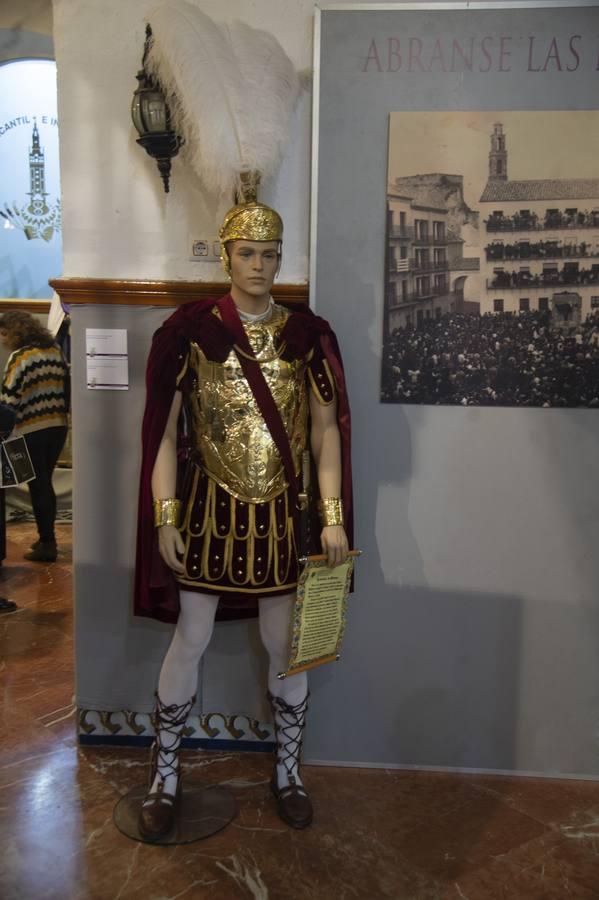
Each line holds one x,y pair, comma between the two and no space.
179,673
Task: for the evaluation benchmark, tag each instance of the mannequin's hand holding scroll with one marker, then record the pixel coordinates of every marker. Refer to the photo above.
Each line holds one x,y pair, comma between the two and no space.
171,547
334,543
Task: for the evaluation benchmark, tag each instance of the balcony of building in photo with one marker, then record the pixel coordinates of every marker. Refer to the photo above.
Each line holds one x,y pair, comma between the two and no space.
402,232
413,297
430,240
554,278
399,265
540,250
422,266
552,220
536,304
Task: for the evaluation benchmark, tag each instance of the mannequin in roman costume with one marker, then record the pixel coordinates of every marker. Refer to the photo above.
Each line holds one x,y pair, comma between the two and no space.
219,522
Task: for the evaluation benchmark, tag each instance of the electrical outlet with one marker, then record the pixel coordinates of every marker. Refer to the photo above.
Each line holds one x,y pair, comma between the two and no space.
205,250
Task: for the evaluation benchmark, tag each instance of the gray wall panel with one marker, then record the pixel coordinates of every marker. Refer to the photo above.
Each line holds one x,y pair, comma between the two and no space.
473,639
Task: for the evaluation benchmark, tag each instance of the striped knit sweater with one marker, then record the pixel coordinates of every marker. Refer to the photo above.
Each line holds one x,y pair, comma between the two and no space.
34,388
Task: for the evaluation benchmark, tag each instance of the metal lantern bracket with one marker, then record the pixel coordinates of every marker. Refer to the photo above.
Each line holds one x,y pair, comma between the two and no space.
152,119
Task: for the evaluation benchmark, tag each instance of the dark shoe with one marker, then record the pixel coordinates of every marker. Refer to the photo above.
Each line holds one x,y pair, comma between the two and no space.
35,545
7,605
158,813
293,804
45,551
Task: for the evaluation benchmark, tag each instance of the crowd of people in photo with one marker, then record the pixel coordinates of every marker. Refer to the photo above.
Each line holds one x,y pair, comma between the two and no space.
539,250
567,276
530,221
495,359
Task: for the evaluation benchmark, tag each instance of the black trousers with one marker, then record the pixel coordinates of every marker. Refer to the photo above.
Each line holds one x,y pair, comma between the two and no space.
44,448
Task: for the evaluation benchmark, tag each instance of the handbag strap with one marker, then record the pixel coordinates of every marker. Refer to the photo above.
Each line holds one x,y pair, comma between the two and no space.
260,389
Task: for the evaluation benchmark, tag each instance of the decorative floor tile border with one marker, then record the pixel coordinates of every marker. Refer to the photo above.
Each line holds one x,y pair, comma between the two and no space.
130,727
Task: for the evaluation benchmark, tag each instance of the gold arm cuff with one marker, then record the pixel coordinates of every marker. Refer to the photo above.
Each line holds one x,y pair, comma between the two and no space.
167,512
330,511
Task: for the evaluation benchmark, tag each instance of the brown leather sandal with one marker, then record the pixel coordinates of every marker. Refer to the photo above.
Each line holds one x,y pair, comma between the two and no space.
293,803
159,809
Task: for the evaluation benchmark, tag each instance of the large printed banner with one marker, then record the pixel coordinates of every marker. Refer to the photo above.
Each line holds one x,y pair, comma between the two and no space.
30,217
460,147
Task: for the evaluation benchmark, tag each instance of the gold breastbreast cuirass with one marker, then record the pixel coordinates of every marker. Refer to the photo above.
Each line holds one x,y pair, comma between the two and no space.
233,440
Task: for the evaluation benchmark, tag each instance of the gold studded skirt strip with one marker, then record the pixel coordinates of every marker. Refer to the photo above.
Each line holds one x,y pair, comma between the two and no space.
233,547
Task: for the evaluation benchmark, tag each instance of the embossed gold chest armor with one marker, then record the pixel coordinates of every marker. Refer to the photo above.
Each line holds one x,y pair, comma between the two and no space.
234,443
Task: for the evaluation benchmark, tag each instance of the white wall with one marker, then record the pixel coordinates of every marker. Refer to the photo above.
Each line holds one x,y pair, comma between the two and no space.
118,221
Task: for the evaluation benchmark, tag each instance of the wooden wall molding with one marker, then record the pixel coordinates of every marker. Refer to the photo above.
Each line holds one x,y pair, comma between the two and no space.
31,306
124,292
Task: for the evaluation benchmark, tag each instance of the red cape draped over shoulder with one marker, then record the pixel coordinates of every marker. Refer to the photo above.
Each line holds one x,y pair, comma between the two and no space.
156,592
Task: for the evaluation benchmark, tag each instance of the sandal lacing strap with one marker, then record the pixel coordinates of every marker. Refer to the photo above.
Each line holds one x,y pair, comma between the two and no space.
289,729
293,803
169,721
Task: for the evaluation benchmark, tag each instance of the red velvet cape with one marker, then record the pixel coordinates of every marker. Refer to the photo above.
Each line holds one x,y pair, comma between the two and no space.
156,590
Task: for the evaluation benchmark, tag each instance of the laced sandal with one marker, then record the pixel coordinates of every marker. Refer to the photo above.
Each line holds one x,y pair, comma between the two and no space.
159,808
293,803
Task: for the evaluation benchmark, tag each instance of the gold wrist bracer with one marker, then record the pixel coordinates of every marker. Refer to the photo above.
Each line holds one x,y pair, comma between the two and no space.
167,512
330,511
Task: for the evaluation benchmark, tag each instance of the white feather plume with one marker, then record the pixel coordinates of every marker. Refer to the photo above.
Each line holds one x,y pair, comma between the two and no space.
231,90
270,87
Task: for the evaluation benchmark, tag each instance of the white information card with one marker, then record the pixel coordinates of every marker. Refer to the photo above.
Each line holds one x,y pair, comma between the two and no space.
107,359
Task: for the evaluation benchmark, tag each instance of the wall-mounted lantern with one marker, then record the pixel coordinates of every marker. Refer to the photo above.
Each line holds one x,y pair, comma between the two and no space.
152,119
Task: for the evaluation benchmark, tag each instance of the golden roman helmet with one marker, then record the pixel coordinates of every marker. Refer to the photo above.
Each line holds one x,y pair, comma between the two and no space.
249,222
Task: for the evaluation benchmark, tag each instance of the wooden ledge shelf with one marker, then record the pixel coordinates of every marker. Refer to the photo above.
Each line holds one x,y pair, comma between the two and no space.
24,303
124,292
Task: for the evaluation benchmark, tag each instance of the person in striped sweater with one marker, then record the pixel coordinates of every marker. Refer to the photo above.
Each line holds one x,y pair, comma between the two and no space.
34,401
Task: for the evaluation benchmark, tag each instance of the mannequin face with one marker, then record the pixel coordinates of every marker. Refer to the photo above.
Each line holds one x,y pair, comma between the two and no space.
253,266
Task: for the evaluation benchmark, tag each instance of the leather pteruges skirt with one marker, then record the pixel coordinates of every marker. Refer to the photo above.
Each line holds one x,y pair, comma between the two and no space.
236,549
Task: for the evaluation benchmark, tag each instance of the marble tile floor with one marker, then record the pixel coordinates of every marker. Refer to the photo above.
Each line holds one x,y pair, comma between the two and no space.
377,834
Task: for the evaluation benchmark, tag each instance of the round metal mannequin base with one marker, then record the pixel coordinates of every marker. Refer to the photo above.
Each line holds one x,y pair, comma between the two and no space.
202,810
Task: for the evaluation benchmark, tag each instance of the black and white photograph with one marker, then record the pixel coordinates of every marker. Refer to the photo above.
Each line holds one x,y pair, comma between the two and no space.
492,259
